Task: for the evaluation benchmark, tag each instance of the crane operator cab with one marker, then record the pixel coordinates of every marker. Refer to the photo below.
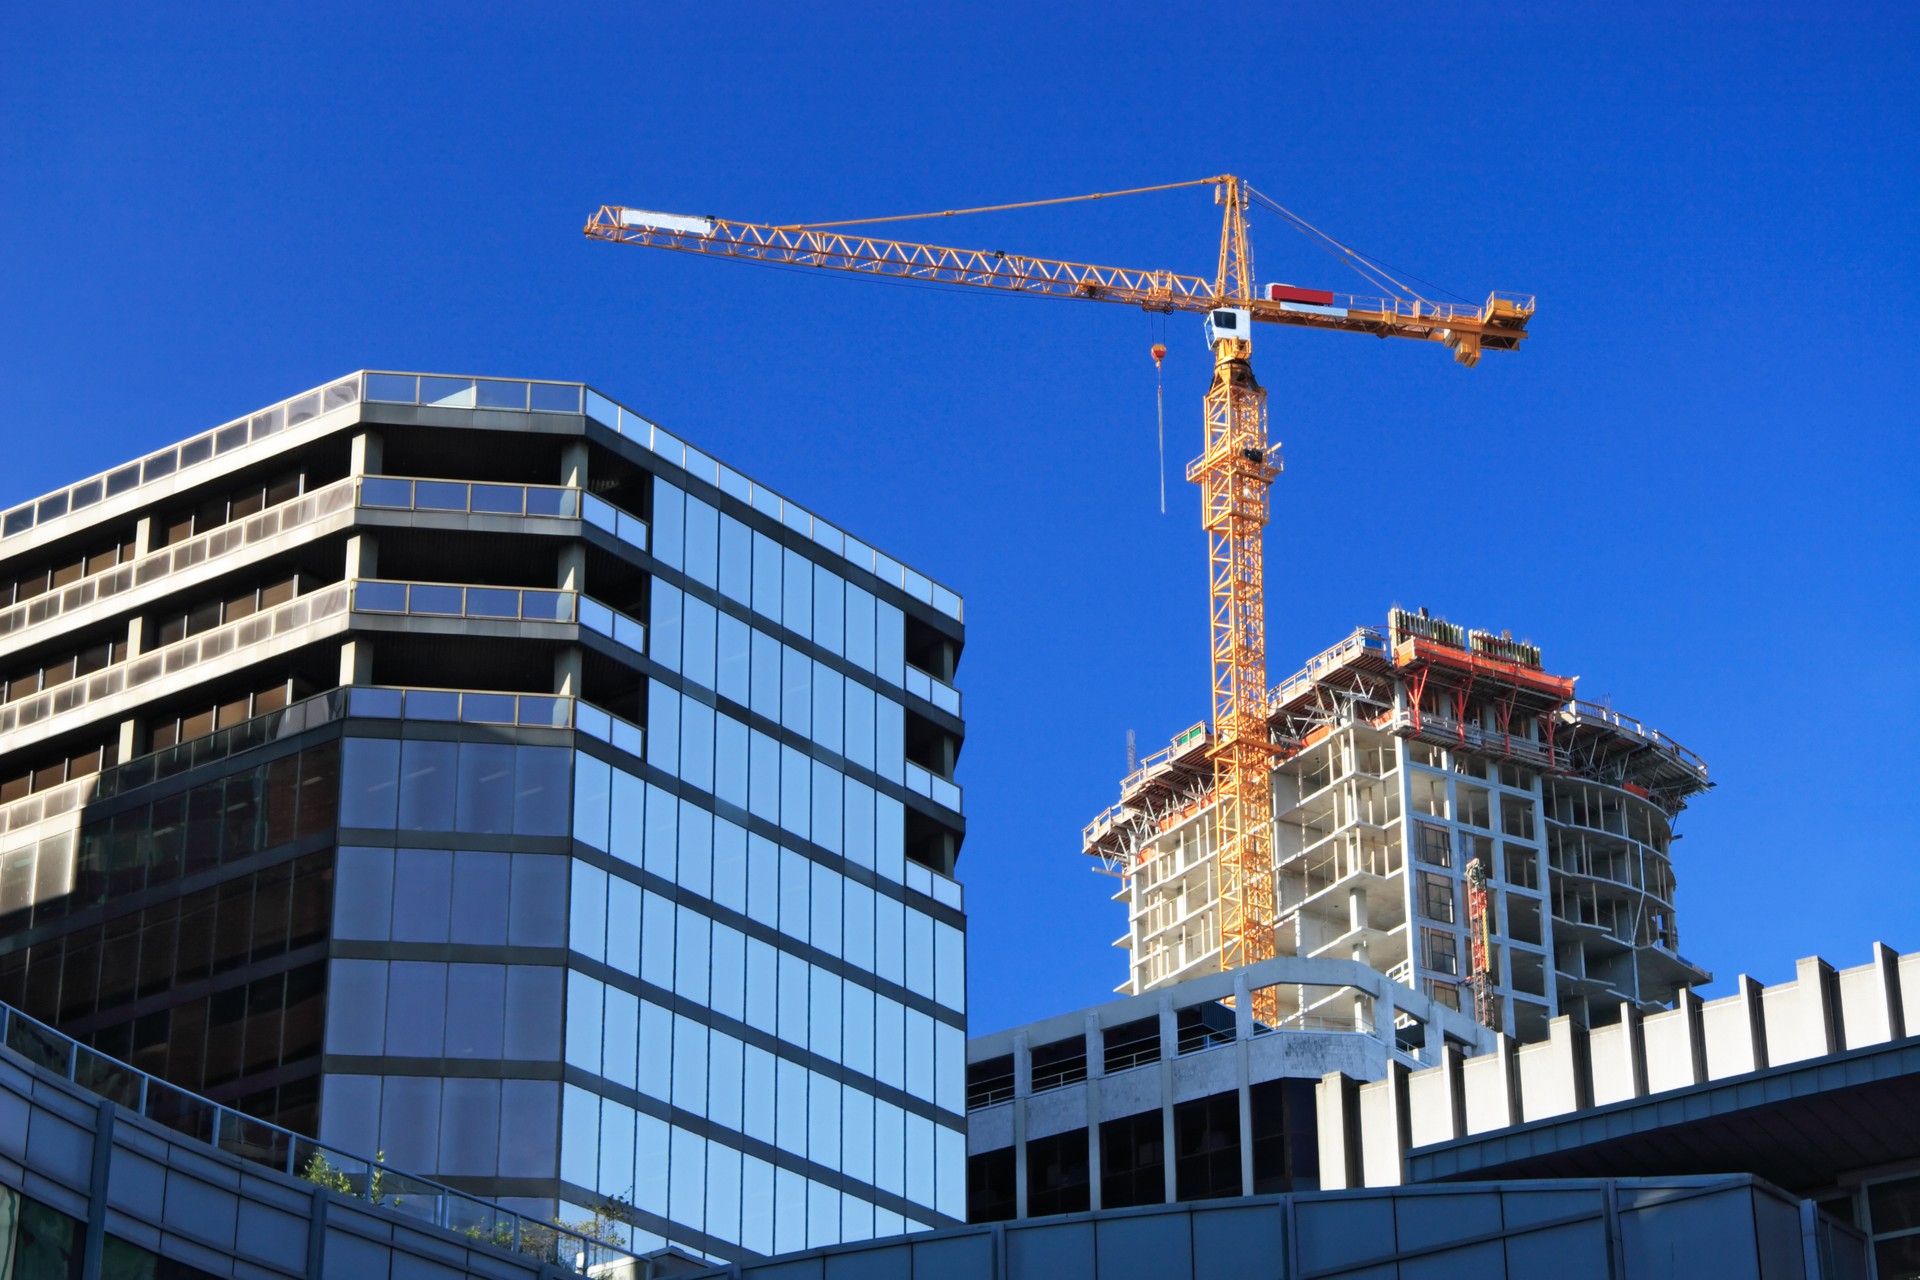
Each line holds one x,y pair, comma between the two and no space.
1229,322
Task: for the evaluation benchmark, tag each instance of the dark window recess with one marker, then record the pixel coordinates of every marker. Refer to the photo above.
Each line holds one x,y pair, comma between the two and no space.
1057,1175
1132,1044
1133,1161
1061,1063
120,1259
989,1082
236,504
68,569
1204,1026
1286,1154
1206,1138
42,1242
990,1186
179,622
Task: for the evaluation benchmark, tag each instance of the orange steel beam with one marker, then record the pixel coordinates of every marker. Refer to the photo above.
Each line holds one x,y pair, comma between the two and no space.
1499,324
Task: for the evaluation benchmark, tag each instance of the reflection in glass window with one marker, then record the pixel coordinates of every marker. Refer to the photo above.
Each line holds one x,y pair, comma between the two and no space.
730,760
663,625
695,852
736,560
423,894
889,1042
920,1159
797,594
889,837
856,1016
736,643
919,1055
620,1040
766,576
482,886
763,980
857,821
763,880
486,788
703,543
890,643
829,611
725,1077
757,1112
616,1145
694,953
789,1211
756,1205
889,1147
696,743
587,914
856,1134
857,927
662,832
469,1128
656,941
369,782
651,1136
669,523
357,1007
663,727
427,771
476,1011
859,728
950,1172
687,1179
723,1191
585,1001
689,1065
363,893
950,966
529,1122
654,1076
823,1215
860,627
827,791
763,776
796,884
829,706
579,1136
919,953
796,791
796,690
623,925
730,864
790,1107
627,833
592,799
537,902
416,1009
541,788
729,972
793,1000
889,933
533,1012
889,739
764,677
823,1120
699,642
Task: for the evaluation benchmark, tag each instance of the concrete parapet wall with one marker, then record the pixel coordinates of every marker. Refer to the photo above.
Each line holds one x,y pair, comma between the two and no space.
1820,1013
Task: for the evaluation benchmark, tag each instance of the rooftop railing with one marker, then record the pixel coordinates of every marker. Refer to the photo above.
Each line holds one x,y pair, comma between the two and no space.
269,1146
451,600
512,395
472,497
217,443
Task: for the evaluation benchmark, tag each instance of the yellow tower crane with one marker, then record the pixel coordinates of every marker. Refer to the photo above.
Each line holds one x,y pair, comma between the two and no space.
1237,463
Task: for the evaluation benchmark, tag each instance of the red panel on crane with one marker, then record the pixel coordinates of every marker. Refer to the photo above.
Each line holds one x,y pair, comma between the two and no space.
1288,293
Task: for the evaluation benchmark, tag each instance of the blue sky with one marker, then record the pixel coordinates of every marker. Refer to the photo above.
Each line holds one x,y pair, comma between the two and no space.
1695,487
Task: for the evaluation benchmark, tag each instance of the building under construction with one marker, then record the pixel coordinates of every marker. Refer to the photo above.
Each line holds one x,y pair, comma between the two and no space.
1445,811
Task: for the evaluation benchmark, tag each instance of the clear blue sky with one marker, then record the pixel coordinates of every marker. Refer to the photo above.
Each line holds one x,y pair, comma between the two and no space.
1695,487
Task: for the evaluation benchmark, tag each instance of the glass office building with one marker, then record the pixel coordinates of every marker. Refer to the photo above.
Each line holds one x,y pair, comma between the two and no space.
471,771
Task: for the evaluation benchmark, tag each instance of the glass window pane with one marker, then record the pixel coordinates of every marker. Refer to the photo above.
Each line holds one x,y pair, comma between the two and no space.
797,595
664,625
696,743
889,1147
369,782
763,776
919,953
689,1065
856,1030
859,724
763,880
623,925
723,1191
423,895
729,865
476,1011
669,507
789,1211
655,1077
889,837
890,743
828,789
736,644
790,1111
482,885
357,1007
730,760
857,947
856,1135
693,954
362,894
860,627
890,939
757,1110
663,727
416,1008
729,993
616,1144
486,788
699,642
627,820
592,799
796,791
826,900
619,1049
703,543
829,610
541,787
950,1068
766,576
579,1136
763,981
793,1000
858,823
823,1121
736,560
796,691
533,1012
656,941
586,1011
537,901
829,694
920,1159
587,916
765,676
427,785
823,1014
890,643
663,832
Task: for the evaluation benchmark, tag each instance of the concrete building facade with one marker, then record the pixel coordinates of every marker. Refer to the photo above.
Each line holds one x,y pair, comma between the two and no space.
470,770
1403,757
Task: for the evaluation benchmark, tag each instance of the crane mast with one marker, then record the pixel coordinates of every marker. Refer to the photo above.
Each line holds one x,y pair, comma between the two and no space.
1235,469
1235,472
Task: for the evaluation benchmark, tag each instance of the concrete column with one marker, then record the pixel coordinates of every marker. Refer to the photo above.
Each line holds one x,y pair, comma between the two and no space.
1169,1050
1821,1030
1243,1073
356,660
366,455
363,556
1022,1090
133,739
136,635
567,664
572,572
1337,1113
573,463
1633,1042
142,536
1096,1076
1385,1129
1687,1004
1886,963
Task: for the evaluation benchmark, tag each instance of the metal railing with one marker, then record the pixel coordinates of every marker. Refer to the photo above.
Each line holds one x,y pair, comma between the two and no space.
924,879
219,442
925,782
1579,710
176,657
452,600
469,496
624,525
933,689
261,1143
212,545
